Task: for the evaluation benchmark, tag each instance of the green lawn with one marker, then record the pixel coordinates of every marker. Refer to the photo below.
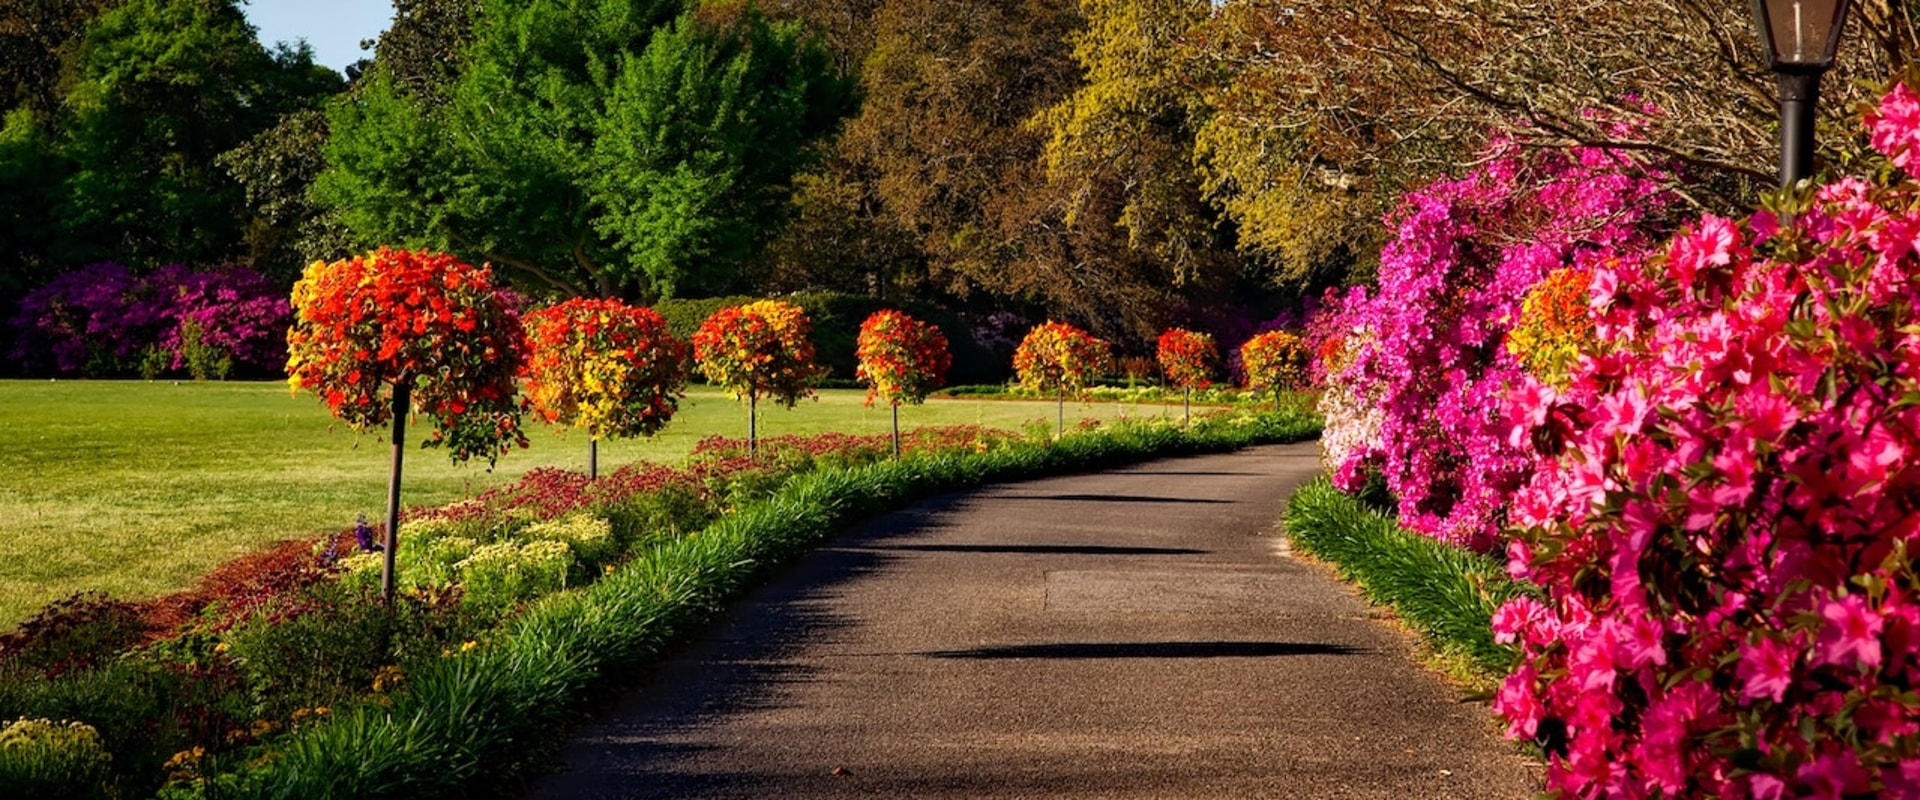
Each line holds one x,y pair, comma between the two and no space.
137,488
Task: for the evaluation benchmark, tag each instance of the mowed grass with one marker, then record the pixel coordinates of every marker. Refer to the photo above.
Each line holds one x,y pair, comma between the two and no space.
138,488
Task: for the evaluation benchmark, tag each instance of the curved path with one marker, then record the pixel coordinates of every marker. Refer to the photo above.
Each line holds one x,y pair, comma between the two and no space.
1134,633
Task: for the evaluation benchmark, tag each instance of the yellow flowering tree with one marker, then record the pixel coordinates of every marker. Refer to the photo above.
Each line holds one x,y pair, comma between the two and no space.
761,349
1060,358
604,366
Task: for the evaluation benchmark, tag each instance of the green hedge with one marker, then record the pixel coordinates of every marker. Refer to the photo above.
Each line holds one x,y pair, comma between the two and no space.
836,327
473,719
1446,593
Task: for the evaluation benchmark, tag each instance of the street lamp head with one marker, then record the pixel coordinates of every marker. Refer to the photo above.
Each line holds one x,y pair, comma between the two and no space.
1800,35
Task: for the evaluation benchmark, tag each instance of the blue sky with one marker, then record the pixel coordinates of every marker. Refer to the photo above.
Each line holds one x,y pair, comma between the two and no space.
333,27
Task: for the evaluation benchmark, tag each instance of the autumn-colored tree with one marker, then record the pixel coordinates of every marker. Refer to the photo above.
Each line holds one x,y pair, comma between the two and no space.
604,366
1060,358
380,336
1189,359
1275,360
1321,117
757,350
902,360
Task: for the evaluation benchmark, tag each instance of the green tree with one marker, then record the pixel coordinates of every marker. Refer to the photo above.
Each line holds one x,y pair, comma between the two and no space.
165,87
32,171
596,147
39,42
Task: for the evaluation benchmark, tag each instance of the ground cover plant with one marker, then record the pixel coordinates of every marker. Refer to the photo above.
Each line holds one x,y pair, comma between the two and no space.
292,682
139,488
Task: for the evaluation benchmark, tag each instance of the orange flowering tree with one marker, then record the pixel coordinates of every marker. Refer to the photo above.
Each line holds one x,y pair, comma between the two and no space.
902,360
380,335
1060,358
604,366
757,350
1274,360
1189,360
1554,327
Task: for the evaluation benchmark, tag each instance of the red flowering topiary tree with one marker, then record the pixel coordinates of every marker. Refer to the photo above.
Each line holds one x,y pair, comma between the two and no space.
758,350
1060,358
902,360
1189,360
604,366
387,333
1726,507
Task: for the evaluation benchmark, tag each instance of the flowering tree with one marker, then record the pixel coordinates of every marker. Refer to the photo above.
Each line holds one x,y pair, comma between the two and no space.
1189,360
902,360
1061,358
1428,350
1274,360
604,366
395,331
755,350
1724,517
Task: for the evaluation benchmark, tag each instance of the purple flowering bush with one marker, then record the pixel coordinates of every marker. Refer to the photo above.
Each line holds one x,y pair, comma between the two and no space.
1415,372
104,320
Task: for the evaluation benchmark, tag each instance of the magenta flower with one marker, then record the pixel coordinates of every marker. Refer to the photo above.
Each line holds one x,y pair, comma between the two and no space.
1851,634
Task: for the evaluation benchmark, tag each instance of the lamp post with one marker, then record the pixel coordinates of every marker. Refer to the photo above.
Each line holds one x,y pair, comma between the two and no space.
1800,37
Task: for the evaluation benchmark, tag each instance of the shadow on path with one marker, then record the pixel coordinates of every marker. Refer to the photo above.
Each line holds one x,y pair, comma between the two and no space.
1047,549
1079,650
1115,498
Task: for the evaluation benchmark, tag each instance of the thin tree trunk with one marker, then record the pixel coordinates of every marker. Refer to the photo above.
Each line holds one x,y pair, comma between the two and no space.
753,425
1060,426
402,403
896,430
593,459
1187,402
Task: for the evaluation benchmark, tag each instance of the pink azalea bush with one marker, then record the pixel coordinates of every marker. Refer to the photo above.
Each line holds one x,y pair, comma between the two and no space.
1422,368
1727,503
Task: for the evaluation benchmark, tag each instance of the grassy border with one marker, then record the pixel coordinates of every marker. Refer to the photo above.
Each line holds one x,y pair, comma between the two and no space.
1445,593
472,722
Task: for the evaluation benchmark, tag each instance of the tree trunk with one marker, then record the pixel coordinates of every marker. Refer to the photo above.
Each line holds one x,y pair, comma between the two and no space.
1186,402
1060,426
753,425
896,430
593,459
402,403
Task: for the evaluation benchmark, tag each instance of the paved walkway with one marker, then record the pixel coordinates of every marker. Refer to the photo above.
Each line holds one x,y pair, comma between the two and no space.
1130,634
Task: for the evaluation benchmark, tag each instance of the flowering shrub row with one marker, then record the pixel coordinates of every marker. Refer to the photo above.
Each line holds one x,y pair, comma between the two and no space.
1417,369
104,320
1727,506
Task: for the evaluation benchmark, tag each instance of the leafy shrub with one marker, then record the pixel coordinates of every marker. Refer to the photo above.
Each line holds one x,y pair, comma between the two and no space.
73,633
1058,358
1724,517
902,359
105,320
589,538
54,760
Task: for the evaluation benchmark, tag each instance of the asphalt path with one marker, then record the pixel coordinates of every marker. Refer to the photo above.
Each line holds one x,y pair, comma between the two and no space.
1139,633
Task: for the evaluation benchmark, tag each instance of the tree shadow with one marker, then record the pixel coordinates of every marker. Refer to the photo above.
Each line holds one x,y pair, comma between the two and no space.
1115,498
1171,650
1046,549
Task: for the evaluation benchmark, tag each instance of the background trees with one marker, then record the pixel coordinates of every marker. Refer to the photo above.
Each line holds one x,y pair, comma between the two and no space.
594,147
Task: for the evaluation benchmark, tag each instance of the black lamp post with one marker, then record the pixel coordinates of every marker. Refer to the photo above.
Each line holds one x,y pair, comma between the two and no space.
1800,37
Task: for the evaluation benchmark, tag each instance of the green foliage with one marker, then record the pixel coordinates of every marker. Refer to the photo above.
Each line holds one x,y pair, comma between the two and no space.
166,86
32,171
594,146
1447,593
52,760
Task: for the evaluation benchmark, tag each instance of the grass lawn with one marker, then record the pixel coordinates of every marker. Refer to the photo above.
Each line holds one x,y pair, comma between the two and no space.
138,488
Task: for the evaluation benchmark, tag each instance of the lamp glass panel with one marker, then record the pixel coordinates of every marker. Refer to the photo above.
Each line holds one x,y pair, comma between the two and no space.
1800,28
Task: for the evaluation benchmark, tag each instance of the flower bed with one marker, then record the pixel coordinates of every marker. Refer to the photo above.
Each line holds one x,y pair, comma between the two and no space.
293,681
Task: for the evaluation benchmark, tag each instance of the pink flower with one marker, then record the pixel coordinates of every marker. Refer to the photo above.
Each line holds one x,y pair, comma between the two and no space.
1516,618
1894,127
1851,634
1829,776
1517,702
1766,669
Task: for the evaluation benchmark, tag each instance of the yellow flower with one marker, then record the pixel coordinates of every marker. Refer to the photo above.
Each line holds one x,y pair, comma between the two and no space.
220,648
468,646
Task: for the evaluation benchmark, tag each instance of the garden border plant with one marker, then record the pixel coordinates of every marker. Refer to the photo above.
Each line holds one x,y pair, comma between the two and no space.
470,718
